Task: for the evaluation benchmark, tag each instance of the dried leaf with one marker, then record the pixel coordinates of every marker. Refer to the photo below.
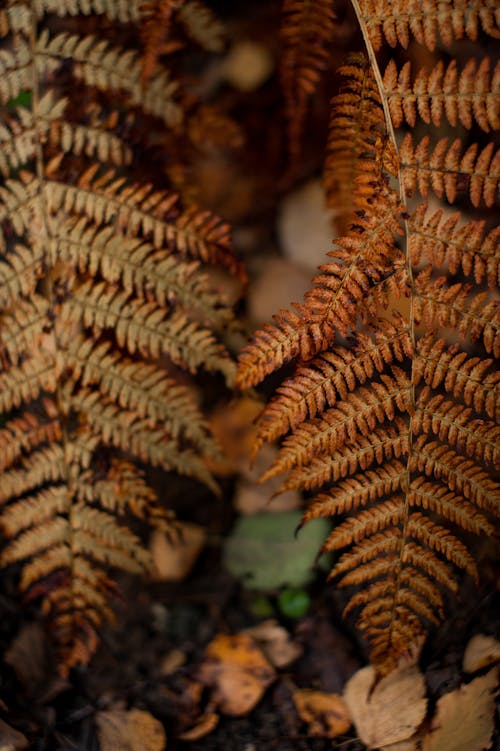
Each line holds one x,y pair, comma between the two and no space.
275,642
11,739
480,652
237,671
135,730
326,714
172,661
464,718
203,727
392,711
174,559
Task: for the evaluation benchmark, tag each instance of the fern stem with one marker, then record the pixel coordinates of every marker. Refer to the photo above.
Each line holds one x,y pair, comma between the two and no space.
412,391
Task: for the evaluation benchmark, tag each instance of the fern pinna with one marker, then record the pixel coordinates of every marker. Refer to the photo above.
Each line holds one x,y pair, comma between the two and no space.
104,309
390,413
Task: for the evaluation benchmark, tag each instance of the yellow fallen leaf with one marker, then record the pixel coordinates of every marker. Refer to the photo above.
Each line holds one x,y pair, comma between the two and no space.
237,671
326,714
175,558
464,719
391,711
480,652
135,730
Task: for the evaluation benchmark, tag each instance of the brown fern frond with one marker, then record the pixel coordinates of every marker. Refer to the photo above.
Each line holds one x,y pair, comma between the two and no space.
428,21
452,306
465,377
463,249
307,33
357,126
447,172
155,28
102,300
382,444
359,260
451,422
202,25
356,415
469,97
329,377
401,447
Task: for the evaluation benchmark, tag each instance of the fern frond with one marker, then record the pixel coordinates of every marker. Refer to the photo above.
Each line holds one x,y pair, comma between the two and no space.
329,377
442,169
452,305
357,125
463,249
202,25
307,32
469,97
356,415
428,21
463,376
155,28
451,422
96,286
141,388
100,64
359,261
399,442
380,445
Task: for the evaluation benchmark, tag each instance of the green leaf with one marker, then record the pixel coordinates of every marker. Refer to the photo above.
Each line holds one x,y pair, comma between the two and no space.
294,603
264,552
23,99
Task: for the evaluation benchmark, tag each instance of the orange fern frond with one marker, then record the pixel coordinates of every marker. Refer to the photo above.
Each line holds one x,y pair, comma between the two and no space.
468,97
446,171
307,32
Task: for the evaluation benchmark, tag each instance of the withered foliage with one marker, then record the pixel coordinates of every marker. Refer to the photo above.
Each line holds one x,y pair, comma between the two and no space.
391,411
105,308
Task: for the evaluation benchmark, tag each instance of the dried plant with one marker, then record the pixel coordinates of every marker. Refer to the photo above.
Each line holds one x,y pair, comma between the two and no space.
390,413
104,307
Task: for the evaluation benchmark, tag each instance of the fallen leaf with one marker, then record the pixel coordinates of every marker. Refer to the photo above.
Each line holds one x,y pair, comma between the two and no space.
27,656
409,745
135,730
11,739
203,726
392,711
480,652
172,661
174,559
258,542
238,672
275,642
463,720
326,714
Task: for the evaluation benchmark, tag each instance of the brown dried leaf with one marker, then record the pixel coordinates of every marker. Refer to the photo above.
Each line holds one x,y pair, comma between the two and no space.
275,642
464,718
480,652
326,714
174,559
390,712
237,671
135,730
11,739
233,429
203,726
